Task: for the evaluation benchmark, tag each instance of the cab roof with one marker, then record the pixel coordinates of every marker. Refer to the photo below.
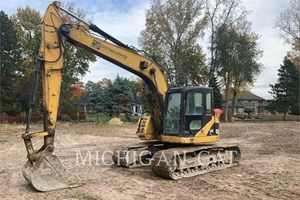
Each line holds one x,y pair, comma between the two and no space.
187,88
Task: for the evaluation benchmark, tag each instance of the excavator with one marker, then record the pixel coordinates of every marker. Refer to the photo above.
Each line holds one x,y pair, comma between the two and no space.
179,136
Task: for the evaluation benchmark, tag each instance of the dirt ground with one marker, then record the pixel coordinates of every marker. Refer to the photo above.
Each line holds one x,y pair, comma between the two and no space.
269,169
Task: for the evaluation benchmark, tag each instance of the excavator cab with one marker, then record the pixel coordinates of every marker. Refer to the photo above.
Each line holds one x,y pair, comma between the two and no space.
187,110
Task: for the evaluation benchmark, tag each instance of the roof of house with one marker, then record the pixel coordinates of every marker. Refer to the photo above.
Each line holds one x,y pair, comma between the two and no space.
85,99
249,96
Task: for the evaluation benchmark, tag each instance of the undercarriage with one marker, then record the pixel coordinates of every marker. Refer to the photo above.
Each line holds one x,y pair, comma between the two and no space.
175,161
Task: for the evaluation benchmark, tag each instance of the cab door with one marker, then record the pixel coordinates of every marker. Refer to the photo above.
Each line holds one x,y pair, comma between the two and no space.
207,115
198,111
193,112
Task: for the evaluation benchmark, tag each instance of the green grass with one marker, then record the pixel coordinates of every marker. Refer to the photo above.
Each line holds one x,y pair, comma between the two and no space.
270,118
132,118
3,140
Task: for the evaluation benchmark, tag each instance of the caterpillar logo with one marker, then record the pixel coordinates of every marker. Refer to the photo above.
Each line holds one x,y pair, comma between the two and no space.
96,44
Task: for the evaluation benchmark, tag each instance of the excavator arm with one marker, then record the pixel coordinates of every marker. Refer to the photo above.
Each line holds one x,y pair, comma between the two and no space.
43,170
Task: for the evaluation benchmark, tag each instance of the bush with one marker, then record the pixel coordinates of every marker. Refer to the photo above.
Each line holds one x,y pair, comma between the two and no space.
67,107
295,110
135,118
66,118
11,111
130,118
240,116
103,118
249,112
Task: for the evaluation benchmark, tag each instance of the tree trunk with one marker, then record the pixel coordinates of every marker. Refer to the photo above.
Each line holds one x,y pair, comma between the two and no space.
284,116
212,70
226,101
233,102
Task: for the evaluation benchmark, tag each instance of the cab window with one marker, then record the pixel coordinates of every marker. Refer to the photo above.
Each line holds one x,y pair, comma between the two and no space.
172,115
194,103
208,103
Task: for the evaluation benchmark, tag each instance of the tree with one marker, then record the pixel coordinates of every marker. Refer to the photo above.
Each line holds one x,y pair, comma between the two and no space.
248,66
112,98
286,92
294,54
195,71
10,60
139,90
289,22
120,96
99,98
236,58
172,30
220,12
76,60
89,86
77,91
218,98
27,23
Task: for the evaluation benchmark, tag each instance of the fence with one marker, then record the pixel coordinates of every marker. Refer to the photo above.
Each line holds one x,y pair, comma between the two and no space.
21,119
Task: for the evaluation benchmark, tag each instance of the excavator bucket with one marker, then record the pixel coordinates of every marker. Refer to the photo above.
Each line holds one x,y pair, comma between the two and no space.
49,175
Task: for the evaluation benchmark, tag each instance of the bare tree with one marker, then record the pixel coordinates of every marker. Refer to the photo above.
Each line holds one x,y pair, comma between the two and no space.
220,12
289,23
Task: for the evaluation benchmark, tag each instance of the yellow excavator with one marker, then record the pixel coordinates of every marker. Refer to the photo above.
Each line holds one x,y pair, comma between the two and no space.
179,135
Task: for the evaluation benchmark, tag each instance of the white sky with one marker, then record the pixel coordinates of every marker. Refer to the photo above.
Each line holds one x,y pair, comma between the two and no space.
124,19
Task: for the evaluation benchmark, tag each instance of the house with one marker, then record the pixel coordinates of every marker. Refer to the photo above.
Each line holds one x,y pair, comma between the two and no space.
137,106
249,101
83,103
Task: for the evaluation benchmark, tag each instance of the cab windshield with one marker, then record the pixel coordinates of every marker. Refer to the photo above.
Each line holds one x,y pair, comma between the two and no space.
172,115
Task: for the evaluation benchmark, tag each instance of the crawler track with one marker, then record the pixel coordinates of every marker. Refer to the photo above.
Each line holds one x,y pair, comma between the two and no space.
176,163
180,162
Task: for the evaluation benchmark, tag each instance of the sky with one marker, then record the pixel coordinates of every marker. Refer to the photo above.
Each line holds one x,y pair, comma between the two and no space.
125,19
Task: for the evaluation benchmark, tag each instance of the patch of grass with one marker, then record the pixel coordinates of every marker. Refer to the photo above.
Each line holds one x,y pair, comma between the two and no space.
269,118
99,118
3,140
131,118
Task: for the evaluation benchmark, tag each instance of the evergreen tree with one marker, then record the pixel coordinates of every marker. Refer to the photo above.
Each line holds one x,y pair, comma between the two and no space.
112,98
98,98
121,96
218,98
10,60
286,91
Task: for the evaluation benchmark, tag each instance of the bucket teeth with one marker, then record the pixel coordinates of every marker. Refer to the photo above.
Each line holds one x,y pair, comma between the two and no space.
49,175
